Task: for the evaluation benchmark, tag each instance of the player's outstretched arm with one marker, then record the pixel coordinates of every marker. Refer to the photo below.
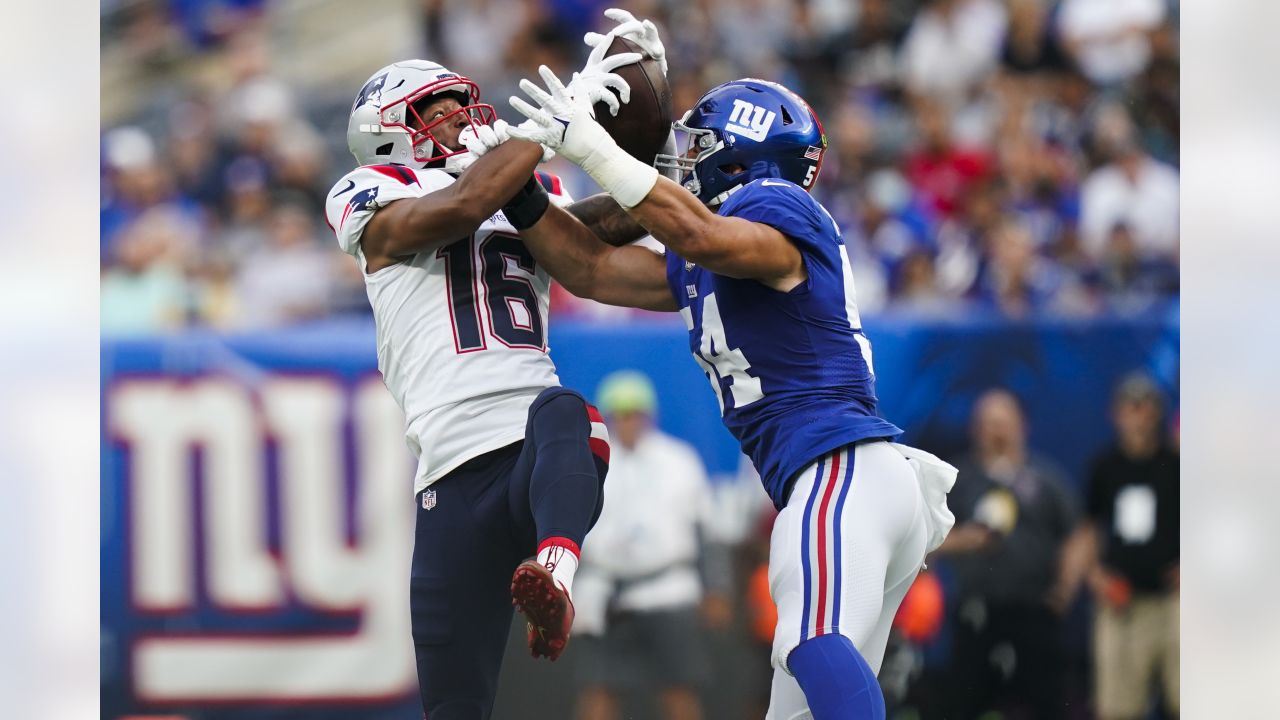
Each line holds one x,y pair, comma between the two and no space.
630,276
606,219
724,245
413,225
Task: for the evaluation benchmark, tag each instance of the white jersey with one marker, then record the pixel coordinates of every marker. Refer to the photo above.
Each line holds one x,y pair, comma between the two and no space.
461,331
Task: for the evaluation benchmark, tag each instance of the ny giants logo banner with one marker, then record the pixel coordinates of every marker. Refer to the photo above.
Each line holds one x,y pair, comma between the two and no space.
257,528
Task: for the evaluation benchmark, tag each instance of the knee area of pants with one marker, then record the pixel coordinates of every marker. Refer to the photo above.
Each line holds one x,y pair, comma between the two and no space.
554,394
827,651
836,680
565,401
564,406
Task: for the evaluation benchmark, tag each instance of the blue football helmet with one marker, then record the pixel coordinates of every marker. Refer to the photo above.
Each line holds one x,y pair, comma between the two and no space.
760,126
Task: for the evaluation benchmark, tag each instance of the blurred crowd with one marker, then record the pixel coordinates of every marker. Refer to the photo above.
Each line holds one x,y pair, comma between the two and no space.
1018,157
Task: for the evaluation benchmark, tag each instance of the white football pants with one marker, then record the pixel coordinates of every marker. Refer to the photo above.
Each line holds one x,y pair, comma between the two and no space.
844,552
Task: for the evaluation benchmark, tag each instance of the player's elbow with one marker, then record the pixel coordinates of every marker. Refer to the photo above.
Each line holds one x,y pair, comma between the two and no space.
716,253
701,245
583,282
581,287
590,279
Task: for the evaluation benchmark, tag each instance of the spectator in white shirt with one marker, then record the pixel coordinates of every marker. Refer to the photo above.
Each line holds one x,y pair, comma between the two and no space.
1110,39
952,46
640,584
1132,189
290,279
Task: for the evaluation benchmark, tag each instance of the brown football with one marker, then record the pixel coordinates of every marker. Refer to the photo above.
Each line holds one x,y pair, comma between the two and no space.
642,125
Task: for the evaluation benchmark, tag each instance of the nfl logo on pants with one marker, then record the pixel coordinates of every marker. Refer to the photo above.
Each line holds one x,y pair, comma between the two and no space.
428,499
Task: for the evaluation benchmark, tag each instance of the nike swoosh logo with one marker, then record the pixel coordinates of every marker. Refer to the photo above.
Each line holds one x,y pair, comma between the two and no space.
351,186
766,183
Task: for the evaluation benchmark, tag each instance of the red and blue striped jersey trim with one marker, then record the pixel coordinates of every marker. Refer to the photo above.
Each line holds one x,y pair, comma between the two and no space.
396,172
550,183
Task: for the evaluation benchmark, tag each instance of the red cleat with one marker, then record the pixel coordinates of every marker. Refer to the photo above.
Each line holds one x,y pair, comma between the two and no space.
546,607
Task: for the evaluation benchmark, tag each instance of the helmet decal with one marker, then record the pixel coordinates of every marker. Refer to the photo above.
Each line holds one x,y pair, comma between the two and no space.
742,131
370,89
749,121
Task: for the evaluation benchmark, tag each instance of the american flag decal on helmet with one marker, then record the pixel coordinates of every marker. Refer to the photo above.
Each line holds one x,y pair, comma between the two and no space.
813,153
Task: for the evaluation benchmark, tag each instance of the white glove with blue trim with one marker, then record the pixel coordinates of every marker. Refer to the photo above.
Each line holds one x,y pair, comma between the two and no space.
566,124
641,32
480,139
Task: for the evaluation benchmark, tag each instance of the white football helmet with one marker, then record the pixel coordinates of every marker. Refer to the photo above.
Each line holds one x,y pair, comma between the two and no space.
386,127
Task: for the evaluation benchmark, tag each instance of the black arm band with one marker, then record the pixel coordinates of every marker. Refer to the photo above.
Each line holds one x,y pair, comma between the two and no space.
528,206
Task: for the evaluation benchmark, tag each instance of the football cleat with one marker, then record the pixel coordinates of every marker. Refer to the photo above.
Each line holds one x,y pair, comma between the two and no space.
546,606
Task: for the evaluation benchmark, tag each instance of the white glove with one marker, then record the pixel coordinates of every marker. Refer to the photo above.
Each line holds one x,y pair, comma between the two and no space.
566,124
561,121
458,164
480,139
642,33
597,77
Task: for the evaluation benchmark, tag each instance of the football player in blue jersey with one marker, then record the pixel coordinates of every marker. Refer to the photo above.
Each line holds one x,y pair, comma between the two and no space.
759,272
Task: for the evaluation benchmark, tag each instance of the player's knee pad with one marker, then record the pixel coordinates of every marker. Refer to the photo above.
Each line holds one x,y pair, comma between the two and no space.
560,414
559,401
837,682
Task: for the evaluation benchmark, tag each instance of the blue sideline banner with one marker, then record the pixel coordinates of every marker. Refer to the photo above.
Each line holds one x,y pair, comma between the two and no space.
256,489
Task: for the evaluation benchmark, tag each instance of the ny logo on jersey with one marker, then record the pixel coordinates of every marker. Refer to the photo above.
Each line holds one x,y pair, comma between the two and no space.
751,121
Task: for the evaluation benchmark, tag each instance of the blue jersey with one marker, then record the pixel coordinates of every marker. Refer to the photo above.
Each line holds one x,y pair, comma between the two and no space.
792,371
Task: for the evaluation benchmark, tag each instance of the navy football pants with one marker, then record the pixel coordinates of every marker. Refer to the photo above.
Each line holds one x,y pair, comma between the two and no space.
489,515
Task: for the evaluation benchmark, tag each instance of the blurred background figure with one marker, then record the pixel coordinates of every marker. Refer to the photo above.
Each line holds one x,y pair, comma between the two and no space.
1018,282
1128,549
953,46
288,278
1014,512
1110,39
644,586
1130,188
145,290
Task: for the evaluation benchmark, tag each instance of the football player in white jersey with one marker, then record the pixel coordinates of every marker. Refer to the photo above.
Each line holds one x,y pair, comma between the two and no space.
510,464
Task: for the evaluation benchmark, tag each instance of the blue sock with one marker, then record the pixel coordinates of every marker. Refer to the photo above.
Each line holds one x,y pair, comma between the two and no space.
836,680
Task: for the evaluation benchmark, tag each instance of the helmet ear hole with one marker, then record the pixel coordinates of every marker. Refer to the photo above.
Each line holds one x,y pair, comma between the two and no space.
384,149
786,116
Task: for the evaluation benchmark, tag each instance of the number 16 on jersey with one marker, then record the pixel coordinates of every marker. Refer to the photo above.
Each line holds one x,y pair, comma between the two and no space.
510,302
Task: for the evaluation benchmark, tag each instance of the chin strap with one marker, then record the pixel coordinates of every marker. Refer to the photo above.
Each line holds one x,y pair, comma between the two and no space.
718,200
